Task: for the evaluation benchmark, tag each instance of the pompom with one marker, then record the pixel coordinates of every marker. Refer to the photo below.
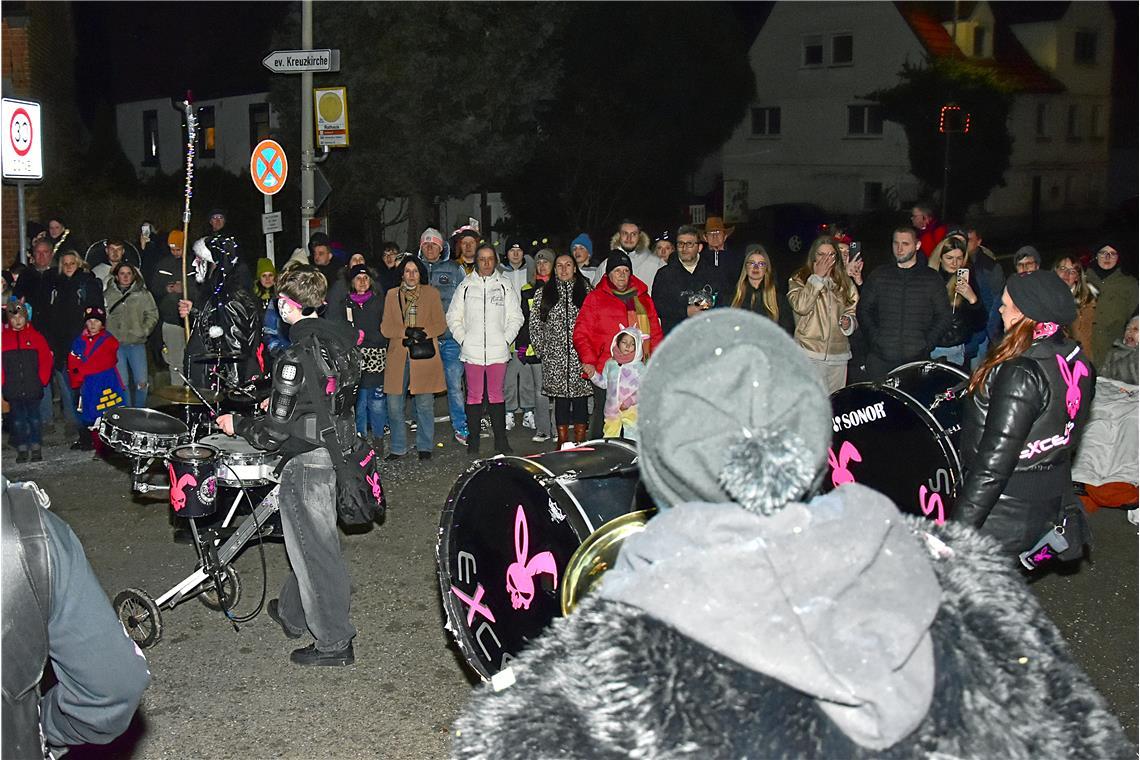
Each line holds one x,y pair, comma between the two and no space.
764,471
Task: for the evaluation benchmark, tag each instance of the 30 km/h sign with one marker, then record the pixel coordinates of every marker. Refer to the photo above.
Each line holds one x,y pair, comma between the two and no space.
268,167
22,154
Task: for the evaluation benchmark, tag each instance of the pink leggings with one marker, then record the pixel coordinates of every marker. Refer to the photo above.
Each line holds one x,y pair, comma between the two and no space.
493,374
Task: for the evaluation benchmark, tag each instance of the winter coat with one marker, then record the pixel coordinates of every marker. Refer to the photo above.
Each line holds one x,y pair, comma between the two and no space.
105,357
817,306
645,262
903,312
366,319
521,276
786,317
1018,434
603,314
131,316
524,345
444,275
622,383
1121,363
674,284
27,363
485,316
965,318
619,683
426,374
70,298
35,288
1114,306
553,341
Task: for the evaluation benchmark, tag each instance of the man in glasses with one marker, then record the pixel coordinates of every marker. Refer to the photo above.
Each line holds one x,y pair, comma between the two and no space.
688,284
1117,301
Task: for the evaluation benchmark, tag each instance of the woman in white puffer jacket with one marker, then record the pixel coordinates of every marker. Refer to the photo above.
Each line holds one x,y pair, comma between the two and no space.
484,317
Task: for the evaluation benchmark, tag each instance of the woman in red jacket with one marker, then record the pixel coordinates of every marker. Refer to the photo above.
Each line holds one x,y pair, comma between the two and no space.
27,363
91,369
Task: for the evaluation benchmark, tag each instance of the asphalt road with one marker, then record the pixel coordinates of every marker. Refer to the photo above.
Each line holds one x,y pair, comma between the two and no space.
221,693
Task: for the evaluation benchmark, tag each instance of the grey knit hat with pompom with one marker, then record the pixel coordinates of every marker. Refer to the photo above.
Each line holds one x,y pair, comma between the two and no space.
730,409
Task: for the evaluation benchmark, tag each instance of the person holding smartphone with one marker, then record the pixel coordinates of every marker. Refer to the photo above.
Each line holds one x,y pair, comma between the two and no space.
967,314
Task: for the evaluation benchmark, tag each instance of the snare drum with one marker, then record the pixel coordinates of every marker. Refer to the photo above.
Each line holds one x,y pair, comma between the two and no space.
900,437
193,485
240,464
507,532
142,432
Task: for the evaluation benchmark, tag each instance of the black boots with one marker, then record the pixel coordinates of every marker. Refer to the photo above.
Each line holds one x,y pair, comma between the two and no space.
498,414
474,415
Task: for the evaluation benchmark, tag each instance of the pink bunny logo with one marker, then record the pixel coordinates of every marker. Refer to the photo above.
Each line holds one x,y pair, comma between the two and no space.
521,572
177,486
1072,384
839,472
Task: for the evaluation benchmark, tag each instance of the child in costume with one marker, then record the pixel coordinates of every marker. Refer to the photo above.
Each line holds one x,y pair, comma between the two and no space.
621,377
91,365
27,362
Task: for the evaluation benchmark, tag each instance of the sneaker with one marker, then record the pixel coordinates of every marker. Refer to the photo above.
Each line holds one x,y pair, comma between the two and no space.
310,655
485,423
510,420
412,425
461,438
540,437
271,608
528,420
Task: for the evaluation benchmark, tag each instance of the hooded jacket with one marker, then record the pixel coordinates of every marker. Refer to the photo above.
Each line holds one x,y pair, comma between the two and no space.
621,381
484,317
645,262
131,314
27,363
1114,306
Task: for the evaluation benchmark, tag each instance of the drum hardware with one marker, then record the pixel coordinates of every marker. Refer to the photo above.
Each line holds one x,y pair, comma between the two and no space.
183,395
141,433
217,357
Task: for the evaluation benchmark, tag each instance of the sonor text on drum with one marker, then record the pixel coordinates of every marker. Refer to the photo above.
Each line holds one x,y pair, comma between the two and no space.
848,420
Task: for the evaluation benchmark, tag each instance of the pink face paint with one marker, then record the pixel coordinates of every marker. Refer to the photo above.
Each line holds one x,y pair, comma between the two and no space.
474,604
840,474
933,505
521,572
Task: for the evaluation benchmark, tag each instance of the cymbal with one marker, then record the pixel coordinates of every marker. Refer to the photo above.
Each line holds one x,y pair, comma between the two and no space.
183,395
216,357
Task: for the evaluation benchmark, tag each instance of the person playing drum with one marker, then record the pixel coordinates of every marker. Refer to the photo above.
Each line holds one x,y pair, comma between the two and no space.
1026,406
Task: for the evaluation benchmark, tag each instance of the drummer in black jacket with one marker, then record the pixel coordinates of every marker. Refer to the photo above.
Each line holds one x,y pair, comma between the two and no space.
321,362
903,308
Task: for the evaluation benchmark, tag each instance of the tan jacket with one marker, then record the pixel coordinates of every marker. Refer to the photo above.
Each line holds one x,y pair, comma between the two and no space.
817,307
427,374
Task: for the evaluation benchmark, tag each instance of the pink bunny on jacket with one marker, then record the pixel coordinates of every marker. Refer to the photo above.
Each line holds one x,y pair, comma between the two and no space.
1072,384
839,472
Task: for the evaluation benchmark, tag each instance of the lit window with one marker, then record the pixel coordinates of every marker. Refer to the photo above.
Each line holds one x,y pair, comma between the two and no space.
206,131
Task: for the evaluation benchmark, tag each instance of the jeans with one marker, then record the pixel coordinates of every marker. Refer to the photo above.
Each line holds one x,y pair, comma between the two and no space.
371,408
425,417
453,376
315,595
132,357
68,399
956,355
24,417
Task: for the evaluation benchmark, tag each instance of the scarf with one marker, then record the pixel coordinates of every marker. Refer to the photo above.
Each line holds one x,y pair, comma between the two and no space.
635,314
360,298
409,299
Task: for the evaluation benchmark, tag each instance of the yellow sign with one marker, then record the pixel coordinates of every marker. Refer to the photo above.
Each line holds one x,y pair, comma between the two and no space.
330,108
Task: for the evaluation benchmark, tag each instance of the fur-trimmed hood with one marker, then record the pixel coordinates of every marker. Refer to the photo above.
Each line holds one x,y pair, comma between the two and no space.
643,242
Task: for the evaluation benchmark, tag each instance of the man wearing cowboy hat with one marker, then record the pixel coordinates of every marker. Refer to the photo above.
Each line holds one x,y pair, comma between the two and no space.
726,263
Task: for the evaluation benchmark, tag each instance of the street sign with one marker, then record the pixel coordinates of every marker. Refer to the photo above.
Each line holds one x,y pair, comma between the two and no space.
271,223
321,189
268,167
22,153
299,61
330,105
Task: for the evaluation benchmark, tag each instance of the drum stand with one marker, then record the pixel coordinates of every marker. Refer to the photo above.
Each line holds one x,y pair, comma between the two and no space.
140,614
139,467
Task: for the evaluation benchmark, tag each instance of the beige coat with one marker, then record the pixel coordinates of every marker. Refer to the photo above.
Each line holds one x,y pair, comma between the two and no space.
817,306
427,374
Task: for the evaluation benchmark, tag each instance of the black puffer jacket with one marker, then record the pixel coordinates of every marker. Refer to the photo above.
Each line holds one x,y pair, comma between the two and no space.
1019,431
903,312
966,318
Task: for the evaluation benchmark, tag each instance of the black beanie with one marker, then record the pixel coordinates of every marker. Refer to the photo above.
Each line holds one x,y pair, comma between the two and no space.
356,271
618,259
1042,296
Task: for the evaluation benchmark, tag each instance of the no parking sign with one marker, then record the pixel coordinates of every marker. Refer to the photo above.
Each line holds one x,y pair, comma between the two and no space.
268,167
21,152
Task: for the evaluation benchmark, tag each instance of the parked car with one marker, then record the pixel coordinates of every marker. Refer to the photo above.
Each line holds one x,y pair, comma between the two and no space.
790,226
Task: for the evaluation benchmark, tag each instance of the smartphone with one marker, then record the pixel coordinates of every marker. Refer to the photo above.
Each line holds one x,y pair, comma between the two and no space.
963,274
854,250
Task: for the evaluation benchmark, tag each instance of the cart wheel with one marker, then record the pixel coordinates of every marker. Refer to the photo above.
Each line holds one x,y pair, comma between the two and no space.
139,616
231,587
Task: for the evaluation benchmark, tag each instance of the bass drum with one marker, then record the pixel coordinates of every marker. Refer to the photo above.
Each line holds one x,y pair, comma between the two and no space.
507,532
900,437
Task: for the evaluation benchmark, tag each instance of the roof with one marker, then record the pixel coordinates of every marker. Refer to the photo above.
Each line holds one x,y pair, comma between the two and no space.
1011,62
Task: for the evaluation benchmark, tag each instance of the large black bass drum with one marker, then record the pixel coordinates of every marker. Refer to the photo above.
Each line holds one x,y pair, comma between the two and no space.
900,437
507,532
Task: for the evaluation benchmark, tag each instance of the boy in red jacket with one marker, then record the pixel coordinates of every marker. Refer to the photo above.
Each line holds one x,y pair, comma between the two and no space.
91,368
27,363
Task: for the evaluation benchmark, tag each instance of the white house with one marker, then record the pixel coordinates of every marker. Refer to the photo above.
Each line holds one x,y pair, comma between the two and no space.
808,137
153,138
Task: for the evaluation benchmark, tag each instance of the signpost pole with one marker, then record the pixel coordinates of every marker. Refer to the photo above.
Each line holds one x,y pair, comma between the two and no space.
308,208
23,221
269,235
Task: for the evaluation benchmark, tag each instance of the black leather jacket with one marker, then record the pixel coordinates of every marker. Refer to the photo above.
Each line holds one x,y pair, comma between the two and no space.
1018,435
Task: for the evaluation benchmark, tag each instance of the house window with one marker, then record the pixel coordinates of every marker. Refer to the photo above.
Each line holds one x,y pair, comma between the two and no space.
765,122
1096,122
979,42
1042,124
150,138
872,196
206,131
864,120
1084,47
842,49
1072,131
258,124
813,50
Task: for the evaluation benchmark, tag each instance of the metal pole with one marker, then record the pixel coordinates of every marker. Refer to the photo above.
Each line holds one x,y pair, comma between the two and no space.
308,207
22,215
946,175
269,235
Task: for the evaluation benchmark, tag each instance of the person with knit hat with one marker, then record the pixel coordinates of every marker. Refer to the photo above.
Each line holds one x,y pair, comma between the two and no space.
27,364
444,274
582,249
1117,300
91,368
1026,259
1025,407
265,282
749,619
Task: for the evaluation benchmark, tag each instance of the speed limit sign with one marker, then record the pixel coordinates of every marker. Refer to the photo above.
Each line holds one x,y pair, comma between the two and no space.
22,149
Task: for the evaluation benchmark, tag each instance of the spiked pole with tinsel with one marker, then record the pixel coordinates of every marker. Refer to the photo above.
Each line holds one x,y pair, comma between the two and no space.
191,138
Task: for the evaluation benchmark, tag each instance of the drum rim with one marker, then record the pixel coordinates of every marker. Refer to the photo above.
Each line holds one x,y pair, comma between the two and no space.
110,417
962,374
172,454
